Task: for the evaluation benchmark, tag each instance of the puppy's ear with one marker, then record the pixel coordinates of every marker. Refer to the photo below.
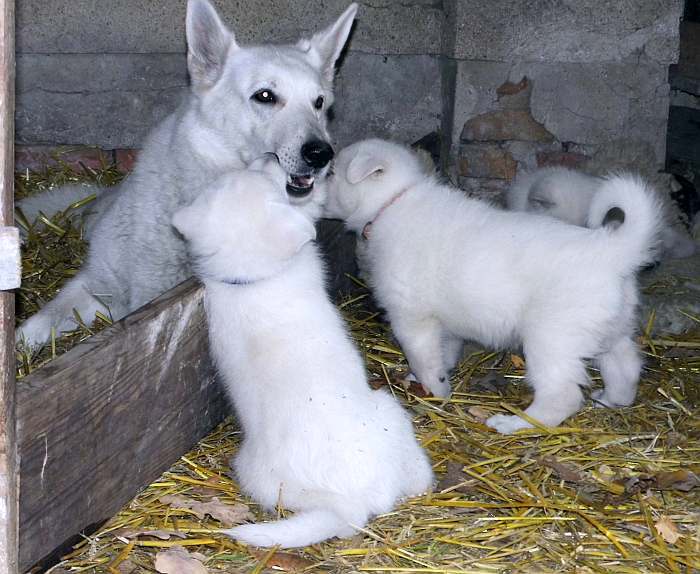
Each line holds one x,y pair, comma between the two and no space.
291,229
361,167
328,44
186,220
208,43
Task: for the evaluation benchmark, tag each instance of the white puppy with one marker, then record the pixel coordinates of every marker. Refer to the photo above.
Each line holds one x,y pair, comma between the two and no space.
448,268
317,439
567,195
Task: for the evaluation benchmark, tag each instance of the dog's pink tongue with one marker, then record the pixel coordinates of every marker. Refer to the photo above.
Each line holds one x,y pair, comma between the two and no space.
302,180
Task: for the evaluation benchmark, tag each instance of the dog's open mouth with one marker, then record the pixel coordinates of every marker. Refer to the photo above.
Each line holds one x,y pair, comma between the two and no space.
300,185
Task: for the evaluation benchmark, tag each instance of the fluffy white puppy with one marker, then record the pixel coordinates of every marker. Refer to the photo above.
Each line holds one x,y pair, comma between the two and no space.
567,195
317,439
448,268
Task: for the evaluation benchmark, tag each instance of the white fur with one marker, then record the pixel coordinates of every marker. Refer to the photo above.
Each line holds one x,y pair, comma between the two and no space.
447,268
135,255
317,439
567,194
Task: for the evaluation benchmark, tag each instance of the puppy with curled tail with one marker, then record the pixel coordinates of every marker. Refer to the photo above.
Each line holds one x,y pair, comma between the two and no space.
449,268
317,439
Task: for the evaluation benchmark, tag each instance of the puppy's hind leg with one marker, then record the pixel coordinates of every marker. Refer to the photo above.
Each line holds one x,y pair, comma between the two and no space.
58,313
421,341
620,368
557,382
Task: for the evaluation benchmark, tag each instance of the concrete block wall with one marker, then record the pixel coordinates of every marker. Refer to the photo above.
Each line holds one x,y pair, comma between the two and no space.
575,83
103,73
509,83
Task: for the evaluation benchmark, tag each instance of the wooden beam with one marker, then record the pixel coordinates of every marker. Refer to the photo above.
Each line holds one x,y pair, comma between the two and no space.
101,422
8,445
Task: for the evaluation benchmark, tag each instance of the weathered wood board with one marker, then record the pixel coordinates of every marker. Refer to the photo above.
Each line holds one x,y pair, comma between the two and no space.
104,420
8,252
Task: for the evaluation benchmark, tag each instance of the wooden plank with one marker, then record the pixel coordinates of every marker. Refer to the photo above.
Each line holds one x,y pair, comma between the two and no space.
689,59
104,420
8,445
683,136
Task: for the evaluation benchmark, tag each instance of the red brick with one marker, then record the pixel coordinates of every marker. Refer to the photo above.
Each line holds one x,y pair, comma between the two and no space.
509,88
484,188
505,125
125,159
37,158
486,161
564,158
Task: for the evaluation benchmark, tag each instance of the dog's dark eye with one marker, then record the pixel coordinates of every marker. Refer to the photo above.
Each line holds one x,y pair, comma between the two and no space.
318,104
265,96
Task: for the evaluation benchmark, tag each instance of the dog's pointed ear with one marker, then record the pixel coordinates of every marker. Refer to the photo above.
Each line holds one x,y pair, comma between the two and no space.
291,229
361,167
328,44
208,43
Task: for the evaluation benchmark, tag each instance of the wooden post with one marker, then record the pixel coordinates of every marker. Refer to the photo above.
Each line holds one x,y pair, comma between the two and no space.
8,447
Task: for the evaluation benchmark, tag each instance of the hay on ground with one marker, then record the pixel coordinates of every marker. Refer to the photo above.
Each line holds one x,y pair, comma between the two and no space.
609,491
53,249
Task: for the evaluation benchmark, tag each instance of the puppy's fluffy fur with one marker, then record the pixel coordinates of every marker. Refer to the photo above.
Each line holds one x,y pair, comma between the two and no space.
448,268
317,439
567,195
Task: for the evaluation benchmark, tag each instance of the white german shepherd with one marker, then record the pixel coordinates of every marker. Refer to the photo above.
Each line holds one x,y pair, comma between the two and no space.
244,102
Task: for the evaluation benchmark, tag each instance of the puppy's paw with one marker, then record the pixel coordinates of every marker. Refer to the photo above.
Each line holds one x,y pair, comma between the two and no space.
601,400
440,388
251,534
507,424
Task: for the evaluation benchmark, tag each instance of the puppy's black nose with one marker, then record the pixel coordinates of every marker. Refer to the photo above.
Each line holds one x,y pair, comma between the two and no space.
317,153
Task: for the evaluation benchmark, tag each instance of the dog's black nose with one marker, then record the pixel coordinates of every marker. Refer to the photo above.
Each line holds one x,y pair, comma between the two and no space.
317,153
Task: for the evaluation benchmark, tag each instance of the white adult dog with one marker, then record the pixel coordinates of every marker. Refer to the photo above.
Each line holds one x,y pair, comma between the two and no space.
243,102
448,268
567,195
317,439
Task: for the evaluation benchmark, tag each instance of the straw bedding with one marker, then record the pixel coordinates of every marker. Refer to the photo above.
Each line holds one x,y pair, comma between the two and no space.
52,251
610,491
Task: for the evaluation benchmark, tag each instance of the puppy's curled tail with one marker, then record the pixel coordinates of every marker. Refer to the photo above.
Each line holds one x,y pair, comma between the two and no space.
630,213
304,528
55,200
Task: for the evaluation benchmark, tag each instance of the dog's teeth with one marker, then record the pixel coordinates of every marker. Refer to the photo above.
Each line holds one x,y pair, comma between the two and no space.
290,179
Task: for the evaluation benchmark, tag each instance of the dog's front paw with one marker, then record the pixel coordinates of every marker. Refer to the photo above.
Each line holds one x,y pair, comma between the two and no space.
507,424
251,534
440,388
34,332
